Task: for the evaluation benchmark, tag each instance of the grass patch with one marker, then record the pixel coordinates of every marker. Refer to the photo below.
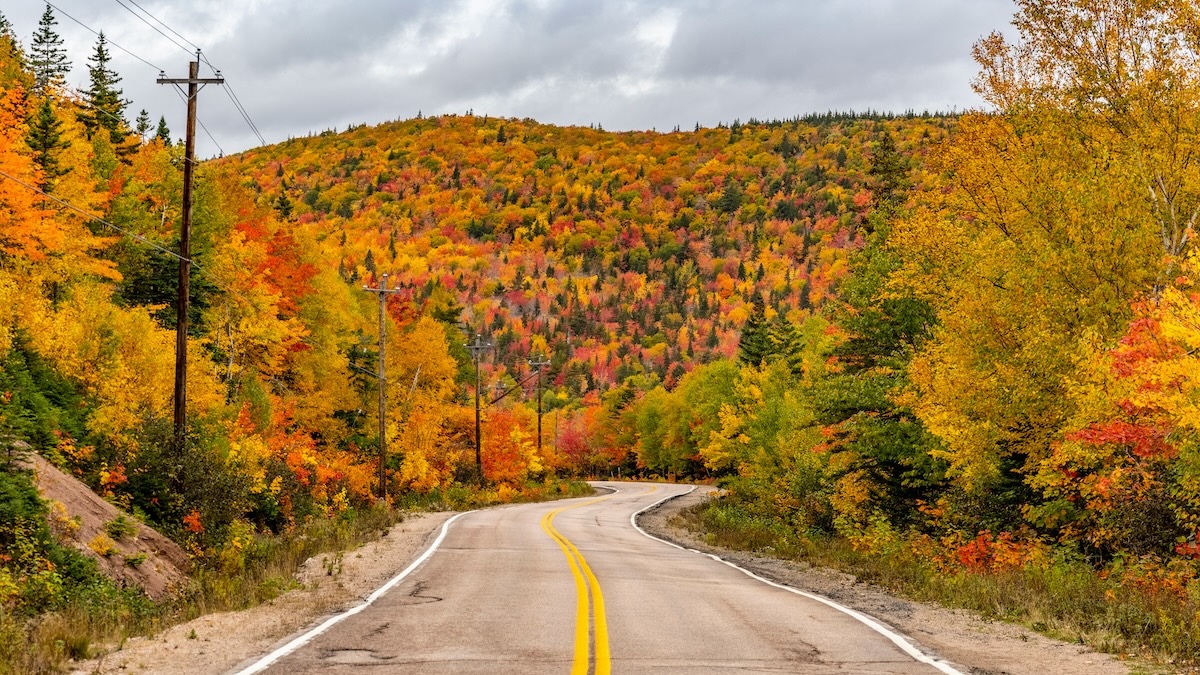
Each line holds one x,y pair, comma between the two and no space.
1065,598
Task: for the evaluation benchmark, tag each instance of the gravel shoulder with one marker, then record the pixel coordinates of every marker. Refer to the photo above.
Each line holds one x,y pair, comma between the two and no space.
966,639
217,643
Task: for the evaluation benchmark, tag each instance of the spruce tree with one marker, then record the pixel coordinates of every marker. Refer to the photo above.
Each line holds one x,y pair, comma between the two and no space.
48,58
106,107
754,346
888,172
142,125
163,133
787,343
46,141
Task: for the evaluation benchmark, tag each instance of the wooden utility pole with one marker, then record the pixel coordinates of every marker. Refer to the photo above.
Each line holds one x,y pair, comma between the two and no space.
539,365
193,82
383,292
477,350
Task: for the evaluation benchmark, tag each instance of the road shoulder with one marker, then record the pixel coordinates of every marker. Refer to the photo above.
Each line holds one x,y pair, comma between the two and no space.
960,636
219,642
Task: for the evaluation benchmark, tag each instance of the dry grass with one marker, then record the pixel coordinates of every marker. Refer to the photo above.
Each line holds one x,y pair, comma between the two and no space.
1065,599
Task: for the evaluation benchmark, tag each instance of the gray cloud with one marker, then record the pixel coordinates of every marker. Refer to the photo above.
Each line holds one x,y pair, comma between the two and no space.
301,65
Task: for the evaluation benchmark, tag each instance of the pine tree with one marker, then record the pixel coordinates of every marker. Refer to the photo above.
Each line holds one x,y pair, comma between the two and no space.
106,106
889,175
48,58
142,125
163,133
46,141
754,347
787,343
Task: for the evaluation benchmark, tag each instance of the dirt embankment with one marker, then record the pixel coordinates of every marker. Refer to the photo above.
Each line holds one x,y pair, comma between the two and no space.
132,555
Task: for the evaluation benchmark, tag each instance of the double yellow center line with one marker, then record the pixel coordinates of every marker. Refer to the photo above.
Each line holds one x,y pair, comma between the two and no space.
584,580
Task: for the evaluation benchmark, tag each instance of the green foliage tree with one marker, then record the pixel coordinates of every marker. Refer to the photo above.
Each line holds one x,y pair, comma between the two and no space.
141,126
48,57
46,140
754,346
105,112
163,132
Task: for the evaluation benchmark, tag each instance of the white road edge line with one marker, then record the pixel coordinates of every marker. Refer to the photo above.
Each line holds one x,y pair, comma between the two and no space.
897,639
266,661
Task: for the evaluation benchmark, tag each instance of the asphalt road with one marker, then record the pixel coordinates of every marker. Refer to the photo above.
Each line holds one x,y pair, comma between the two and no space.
572,586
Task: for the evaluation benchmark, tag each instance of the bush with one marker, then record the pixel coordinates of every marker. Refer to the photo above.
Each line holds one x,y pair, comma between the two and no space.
120,527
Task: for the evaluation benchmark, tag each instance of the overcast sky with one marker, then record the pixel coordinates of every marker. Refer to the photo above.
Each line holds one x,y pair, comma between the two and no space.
301,66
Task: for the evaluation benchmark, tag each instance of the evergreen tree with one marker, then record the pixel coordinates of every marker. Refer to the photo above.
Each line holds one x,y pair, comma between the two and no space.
48,58
889,175
142,125
731,198
787,343
46,141
106,107
284,206
754,347
163,133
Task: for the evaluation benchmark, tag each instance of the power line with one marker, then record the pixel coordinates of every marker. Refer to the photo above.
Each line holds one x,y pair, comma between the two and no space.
245,115
183,97
237,102
152,26
97,33
160,22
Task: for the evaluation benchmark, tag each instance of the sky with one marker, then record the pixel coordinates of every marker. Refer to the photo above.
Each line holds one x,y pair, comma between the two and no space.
303,66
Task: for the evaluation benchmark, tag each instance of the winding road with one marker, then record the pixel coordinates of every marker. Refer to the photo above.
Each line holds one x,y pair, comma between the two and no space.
574,586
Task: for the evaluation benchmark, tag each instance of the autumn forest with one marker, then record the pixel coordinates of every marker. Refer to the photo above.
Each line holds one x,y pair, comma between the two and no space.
967,341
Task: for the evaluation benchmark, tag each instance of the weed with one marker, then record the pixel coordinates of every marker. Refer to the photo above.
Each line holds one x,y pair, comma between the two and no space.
103,545
333,564
135,559
120,527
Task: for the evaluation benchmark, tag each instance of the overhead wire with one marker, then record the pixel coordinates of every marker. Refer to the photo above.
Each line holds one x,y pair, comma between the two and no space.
161,23
106,38
153,27
237,102
183,97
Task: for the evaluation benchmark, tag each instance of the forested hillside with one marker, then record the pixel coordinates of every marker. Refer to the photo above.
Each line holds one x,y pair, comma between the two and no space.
613,255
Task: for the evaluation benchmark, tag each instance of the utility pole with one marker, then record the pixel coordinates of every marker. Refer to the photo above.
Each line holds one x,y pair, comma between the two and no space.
477,349
539,364
194,83
383,292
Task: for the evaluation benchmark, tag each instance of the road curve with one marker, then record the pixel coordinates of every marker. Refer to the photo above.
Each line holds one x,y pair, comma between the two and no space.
573,587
